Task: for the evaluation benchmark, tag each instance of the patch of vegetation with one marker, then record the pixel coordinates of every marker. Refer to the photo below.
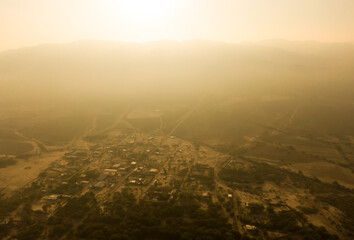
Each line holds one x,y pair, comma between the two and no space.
30,232
205,175
14,147
257,174
4,230
309,210
345,203
59,129
289,222
76,208
334,194
7,205
5,162
124,218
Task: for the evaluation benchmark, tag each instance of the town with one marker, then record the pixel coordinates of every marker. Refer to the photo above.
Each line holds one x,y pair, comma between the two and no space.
162,170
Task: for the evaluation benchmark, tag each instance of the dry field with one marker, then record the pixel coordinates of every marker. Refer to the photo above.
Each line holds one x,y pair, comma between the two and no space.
24,172
327,172
14,147
281,154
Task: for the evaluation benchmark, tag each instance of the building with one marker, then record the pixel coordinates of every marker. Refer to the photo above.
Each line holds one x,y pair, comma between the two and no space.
52,197
99,184
250,227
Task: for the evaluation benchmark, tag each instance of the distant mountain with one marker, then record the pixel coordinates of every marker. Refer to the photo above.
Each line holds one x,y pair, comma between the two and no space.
312,47
103,69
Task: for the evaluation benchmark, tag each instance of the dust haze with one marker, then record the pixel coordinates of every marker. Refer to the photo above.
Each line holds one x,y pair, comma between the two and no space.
177,140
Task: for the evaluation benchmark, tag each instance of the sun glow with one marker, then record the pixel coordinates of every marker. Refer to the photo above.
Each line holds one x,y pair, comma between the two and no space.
146,11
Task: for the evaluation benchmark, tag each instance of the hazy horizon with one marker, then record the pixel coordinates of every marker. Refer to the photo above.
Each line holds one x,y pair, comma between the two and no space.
275,40
40,22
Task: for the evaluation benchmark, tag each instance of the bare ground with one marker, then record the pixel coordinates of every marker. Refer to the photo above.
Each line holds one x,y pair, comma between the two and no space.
24,172
327,172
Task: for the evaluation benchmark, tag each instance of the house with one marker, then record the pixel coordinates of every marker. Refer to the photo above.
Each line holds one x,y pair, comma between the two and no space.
116,165
110,171
99,184
250,227
205,195
52,197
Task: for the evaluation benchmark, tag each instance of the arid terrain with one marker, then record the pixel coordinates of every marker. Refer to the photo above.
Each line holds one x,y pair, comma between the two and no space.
260,146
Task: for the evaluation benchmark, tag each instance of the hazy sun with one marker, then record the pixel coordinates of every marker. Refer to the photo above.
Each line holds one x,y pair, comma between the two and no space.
146,11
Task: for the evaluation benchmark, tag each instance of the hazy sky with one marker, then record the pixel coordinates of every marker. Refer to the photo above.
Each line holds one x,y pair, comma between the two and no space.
32,22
